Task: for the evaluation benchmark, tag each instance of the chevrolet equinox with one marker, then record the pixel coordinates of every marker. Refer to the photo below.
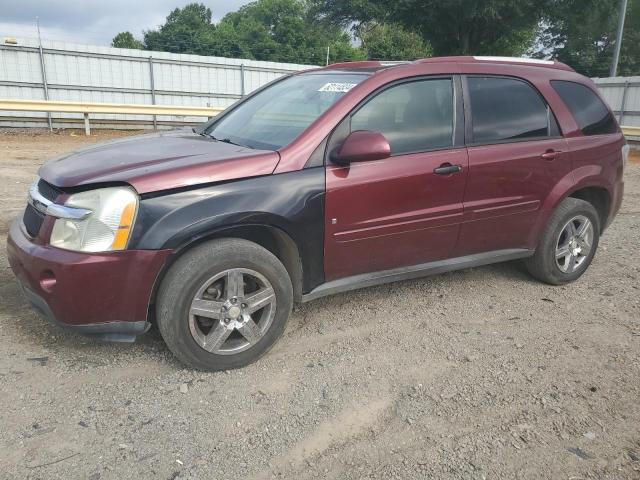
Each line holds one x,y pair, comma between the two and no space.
320,182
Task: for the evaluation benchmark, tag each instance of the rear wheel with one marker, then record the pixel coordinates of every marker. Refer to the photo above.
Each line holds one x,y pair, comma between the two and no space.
223,304
568,244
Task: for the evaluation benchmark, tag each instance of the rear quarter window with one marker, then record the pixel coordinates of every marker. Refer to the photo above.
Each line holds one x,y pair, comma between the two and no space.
590,113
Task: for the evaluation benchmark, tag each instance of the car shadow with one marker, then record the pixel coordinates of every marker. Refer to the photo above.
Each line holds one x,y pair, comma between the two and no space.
37,333
22,323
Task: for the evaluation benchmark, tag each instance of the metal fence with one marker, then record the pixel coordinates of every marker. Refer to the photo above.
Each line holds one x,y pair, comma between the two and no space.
83,73
623,95
69,72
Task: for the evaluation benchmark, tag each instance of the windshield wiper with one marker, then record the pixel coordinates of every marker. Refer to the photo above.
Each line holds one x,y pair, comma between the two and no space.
227,140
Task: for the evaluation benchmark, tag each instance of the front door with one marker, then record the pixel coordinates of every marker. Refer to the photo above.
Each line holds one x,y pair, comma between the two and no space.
403,210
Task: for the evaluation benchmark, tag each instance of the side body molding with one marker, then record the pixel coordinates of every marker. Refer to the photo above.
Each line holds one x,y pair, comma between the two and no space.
291,202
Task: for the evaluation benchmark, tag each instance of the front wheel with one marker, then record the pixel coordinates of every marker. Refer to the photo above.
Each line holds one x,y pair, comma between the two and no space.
223,304
568,244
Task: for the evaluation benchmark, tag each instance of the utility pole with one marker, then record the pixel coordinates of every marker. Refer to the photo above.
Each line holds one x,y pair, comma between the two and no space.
616,54
327,55
44,73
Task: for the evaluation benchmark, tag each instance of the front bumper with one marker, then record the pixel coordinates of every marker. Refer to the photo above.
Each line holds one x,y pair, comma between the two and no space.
105,294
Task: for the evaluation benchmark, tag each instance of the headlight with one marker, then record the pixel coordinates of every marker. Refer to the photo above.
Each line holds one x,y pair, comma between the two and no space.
107,228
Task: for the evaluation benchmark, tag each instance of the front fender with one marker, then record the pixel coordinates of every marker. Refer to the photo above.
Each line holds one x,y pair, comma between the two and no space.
292,202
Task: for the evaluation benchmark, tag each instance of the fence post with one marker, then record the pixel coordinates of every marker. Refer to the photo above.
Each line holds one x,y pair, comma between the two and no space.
43,70
153,90
87,127
624,101
242,79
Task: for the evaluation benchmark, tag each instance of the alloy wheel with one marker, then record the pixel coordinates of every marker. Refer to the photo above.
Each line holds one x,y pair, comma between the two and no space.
232,311
574,244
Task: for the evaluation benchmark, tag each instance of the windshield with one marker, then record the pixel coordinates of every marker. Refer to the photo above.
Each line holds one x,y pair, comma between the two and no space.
275,116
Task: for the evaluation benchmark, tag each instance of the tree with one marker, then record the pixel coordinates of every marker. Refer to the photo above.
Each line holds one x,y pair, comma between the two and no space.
392,42
126,40
186,30
453,27
273,30
582,33
285,31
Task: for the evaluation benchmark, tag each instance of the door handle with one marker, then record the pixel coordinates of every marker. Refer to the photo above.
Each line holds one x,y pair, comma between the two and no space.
551,154
447,169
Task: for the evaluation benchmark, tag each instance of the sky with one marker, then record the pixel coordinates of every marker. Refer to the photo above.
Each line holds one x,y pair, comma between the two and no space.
93,22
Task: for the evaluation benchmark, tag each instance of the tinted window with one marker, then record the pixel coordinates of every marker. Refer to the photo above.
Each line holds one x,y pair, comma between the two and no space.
414,116
505,109
275,116
591,115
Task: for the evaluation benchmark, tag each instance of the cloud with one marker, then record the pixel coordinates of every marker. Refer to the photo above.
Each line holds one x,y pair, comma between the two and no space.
94,21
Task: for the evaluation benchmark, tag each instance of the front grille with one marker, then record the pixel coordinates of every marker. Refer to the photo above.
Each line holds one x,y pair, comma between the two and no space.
48,191
32,220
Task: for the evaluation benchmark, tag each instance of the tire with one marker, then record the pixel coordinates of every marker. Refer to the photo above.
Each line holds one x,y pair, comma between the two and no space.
186,289
543,265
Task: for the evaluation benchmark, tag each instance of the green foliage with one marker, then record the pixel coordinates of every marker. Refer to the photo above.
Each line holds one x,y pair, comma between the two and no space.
392,42
186,30
578,32
273,30
582,33
283,30
126,40
452,27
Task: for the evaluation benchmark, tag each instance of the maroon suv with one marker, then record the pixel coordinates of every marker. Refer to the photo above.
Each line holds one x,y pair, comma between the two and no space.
321,182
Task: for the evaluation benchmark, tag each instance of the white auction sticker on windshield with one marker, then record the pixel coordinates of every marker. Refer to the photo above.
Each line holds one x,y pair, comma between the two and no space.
337,87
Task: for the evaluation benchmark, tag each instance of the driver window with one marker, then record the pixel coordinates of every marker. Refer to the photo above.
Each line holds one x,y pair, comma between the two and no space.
414,116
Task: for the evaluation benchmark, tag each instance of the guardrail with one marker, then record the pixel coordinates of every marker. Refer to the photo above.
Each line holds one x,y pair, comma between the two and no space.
114,108
631,131
133,109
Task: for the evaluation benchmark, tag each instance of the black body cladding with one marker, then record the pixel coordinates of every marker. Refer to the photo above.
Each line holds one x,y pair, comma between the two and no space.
290,202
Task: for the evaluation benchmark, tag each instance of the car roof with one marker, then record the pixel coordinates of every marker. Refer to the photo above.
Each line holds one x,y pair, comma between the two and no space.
374,65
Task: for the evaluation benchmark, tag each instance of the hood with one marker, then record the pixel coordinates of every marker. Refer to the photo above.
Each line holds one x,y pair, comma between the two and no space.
158,161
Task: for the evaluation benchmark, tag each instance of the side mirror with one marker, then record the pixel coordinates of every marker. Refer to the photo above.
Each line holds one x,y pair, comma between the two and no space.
362,146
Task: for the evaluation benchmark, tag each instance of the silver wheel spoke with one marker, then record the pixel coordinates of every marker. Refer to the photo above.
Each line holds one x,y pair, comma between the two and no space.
235,284
216,337
571,229
563,251
570,263
250,330
206,308
259,300
583,228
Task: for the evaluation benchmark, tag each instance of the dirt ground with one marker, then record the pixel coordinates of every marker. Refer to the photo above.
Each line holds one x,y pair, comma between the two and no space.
482,373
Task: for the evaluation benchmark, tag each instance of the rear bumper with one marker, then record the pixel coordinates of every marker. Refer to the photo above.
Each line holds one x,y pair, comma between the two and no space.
616,202
105,294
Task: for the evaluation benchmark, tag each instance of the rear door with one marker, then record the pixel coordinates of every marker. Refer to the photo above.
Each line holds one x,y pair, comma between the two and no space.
516,156
398,212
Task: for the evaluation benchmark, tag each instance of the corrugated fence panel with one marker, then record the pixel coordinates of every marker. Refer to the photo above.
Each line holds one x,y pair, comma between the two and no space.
115,75
617,90
89,73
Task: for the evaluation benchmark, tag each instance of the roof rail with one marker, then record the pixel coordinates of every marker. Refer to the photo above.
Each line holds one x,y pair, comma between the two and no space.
524,61
366,64
514,59
375,64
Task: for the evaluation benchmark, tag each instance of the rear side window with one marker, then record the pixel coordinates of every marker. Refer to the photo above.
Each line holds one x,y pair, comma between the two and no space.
590,113
414,117
506,109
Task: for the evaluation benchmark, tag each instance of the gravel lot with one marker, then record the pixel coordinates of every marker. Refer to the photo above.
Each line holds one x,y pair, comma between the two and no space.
482,373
